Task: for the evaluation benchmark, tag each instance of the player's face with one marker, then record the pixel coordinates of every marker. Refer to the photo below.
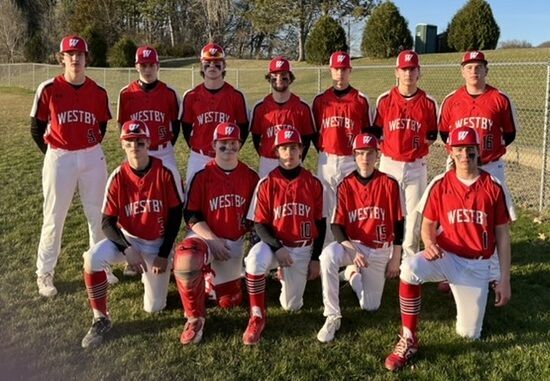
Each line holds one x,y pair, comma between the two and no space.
290,155
474,73
74,62
465,157
148,72
213,69
340,77
280,81
366,158
227,150
408,76
136,149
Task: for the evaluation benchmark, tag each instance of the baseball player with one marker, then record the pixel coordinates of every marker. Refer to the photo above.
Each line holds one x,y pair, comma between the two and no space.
489,111
464,218
340,113
279,110
207,105
368,227
406,122
287,210
142,213
219,197
68,122
152,101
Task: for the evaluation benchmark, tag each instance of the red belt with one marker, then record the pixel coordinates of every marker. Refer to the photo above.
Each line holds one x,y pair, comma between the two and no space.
378,245
302,243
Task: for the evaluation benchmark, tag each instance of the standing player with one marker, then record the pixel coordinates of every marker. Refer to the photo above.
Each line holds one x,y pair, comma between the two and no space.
142,214
219,197
287,210
153,102
207,105
68,122
368,227
340,113
406,121
279,110
465,217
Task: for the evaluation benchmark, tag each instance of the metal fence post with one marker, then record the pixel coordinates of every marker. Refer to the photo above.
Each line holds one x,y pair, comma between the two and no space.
33,77
237,72
545,139
192,76
318,80
9,75
129,75
104,78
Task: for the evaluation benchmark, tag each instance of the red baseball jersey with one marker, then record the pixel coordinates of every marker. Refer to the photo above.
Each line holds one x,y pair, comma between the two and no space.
269,117
467,215
406,123
204,110
369,211
491,114
73,113
223,198
142,203
157,108
289,207
340,119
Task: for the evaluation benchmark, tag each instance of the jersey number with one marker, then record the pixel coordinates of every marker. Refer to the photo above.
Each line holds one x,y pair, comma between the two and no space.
416,142
90,135
485,240
162,133
381,234
305,230
488,142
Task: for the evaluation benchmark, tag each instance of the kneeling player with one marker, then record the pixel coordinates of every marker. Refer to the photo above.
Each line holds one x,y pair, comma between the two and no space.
368,227
287,210
142,214
219,197
465,217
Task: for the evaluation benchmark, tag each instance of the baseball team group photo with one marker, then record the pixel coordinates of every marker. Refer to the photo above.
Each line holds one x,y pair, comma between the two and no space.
207,232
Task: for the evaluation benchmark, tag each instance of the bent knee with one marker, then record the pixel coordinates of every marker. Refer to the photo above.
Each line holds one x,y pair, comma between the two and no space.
190,257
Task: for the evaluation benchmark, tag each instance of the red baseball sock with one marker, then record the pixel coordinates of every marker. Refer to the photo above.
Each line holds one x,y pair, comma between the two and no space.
409,303
96,286
256,291
192,296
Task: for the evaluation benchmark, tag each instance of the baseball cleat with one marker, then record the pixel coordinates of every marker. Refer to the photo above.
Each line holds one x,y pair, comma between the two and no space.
404,350
192,331
95,334
129,271
326,334
253,332
111,278
45,285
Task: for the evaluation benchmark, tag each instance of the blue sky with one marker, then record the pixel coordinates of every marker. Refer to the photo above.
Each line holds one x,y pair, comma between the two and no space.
527,20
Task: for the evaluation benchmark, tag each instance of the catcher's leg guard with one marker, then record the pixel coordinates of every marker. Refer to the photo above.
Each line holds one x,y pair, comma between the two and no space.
189,261
229,293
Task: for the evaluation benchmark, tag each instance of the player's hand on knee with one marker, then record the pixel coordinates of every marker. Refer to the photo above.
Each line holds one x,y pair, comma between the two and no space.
503,293
433,252
135,259
359,260
220,249
159,265
313,270
283,257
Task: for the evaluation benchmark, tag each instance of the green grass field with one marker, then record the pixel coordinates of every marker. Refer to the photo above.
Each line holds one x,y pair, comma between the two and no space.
41,337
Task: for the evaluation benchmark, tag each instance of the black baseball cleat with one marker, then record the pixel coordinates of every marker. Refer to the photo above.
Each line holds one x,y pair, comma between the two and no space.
95,334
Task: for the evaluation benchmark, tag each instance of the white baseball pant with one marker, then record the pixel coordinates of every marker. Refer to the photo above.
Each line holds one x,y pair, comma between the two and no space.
195,163
334,256
62,172
266,165
468,279
413,179
260,260
155,286
331,169
168,157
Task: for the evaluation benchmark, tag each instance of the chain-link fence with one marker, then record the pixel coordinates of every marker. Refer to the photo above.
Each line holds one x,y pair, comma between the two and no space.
527,84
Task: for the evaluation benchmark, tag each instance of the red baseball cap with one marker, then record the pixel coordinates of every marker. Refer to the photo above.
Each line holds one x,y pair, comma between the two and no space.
279,64
463,136
134,129
474,56
287,136
73,43
407,59
212,52
340,60
227,131
146,54
365,141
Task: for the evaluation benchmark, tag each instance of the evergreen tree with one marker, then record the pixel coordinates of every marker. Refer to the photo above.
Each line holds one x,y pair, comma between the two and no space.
473,27
123,53
97,46
326,37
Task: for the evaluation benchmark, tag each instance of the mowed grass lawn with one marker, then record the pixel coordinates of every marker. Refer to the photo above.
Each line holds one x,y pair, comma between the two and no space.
40,338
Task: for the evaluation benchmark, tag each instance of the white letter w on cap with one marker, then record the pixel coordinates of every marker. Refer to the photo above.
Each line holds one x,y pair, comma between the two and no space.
462,135
73,42
288,134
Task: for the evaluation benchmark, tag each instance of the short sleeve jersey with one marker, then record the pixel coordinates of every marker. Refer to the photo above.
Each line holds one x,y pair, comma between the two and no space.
369,211
269,117
406,123
205,109
492,114
289,207
157,108
73,113
340,119
467,215
141,204
223,198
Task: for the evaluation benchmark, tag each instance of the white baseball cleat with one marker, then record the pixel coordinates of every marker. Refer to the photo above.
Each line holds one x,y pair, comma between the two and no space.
192,331
326,334
45,285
